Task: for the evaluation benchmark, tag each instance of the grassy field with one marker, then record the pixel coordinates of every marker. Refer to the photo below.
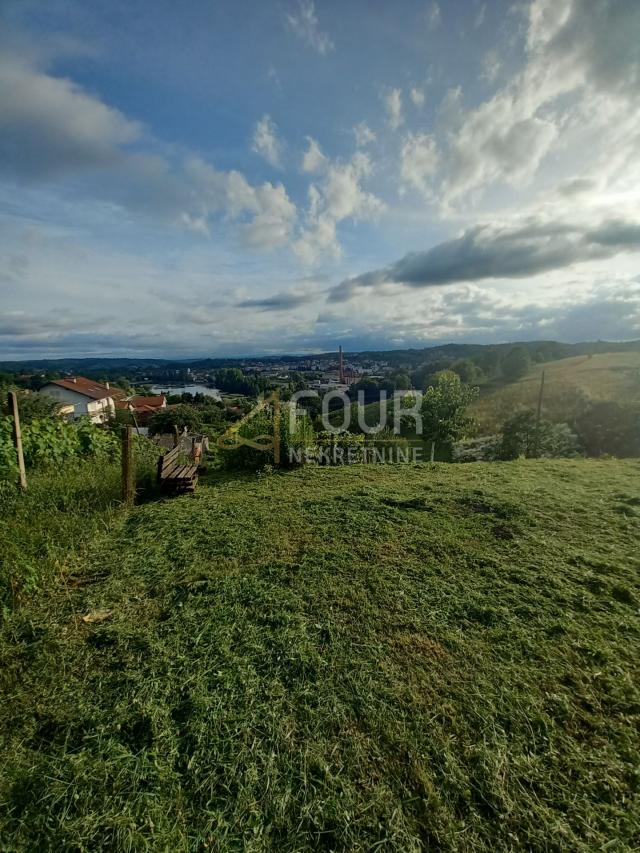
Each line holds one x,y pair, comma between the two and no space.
408,658
610,376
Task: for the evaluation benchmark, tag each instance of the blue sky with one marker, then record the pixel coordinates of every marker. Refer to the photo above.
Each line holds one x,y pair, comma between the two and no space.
230,178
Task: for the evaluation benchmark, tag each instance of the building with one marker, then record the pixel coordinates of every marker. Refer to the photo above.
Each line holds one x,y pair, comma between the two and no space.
142,408
83,397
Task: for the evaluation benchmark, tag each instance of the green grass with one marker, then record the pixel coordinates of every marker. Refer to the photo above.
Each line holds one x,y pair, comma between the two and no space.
568,382
403,658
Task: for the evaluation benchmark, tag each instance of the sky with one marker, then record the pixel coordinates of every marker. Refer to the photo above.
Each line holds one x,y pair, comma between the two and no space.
239,177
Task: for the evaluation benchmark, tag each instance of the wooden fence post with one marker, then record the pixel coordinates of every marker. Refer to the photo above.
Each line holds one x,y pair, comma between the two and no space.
128,469
176,435
17,438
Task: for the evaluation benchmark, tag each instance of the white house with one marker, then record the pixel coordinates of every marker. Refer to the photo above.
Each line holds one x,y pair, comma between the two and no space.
88,398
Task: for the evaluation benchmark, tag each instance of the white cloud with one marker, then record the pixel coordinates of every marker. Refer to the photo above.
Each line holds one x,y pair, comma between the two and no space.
393,105
479,19
363,134
418,162
339,197
313,159
266,142
582,61
49,126
417,97
433,15
304,24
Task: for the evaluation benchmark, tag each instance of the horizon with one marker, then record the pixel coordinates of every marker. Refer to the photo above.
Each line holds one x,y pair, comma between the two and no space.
318,353
176,182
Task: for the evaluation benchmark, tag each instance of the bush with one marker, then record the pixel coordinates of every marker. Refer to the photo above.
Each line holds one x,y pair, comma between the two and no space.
254,447
523,436
516,363
166,420
483,448
607,427
51,441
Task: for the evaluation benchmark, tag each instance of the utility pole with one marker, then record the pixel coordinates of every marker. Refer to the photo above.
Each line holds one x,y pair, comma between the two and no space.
539,414
17,438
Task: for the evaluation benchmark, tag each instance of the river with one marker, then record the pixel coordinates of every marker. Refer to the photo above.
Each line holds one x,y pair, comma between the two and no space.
186,389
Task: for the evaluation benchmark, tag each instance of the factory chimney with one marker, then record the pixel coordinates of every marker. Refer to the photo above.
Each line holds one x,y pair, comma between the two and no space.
342,379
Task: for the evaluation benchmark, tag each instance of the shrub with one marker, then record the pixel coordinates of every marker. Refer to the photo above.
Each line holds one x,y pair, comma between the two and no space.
609,427
516,363
523,436
51,441
483,448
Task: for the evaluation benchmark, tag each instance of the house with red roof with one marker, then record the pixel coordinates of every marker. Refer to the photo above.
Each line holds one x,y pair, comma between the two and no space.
83,397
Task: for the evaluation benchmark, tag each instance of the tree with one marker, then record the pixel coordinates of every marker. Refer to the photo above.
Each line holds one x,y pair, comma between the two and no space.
444,410
516,363
523,435
609,427
466,370
33,406
166,420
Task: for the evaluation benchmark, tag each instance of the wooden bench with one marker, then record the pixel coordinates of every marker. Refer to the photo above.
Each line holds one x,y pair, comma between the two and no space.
174,475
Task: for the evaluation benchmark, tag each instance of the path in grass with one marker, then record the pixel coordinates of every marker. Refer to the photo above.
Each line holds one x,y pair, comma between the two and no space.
401,658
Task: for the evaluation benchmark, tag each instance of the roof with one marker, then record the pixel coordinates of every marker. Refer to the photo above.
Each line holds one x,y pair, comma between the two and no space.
143,404
155,401
85,387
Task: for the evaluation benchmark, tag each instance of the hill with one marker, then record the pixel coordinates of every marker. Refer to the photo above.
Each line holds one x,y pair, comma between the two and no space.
398,658
568,381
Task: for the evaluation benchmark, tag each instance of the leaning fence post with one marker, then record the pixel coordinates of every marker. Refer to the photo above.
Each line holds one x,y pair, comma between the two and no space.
17,438
128,486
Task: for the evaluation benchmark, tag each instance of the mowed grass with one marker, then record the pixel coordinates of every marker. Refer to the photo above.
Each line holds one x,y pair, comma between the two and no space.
399,658
568,382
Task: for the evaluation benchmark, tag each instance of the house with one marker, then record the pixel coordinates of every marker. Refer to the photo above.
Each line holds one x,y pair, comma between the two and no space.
83,397
142,408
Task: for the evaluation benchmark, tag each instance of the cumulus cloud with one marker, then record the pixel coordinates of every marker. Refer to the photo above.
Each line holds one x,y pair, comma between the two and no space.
393,105
418,162
339,197
266,142
51,129
304,23
363,134
313,159
49,126
519,250
582,70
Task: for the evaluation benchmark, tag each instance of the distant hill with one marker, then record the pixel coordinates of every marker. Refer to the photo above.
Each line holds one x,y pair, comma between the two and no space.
408,358
568,381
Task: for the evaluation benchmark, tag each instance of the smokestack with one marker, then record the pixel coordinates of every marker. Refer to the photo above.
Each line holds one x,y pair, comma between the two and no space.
341,366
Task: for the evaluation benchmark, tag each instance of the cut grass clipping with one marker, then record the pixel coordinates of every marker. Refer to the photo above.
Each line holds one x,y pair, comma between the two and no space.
369,658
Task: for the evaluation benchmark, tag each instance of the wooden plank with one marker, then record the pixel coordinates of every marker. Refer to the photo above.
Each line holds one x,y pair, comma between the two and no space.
17,438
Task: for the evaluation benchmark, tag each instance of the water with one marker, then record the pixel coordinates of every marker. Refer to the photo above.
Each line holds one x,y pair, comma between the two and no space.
186,389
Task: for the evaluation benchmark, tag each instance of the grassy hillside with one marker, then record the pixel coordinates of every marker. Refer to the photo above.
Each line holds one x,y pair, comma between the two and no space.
610,376
403,659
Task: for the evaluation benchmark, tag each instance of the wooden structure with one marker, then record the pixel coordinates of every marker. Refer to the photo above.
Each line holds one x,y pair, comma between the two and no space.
17,438
175,476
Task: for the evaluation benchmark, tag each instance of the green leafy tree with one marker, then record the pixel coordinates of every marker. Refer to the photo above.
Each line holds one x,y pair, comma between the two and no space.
516,363
466,370
166,420
444,408
523,435
32,406
609,427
